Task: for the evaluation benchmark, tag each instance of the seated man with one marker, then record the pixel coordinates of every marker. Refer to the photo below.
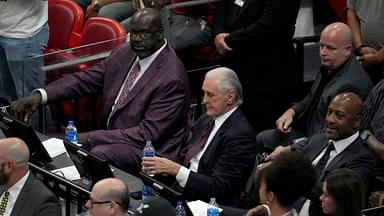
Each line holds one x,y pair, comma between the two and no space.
339,72
221,152
339,147
109,196
373,129
21,193
145,91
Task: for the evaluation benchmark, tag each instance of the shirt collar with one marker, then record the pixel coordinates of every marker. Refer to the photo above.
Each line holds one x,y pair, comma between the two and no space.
342,144
15,190
221,119
147,60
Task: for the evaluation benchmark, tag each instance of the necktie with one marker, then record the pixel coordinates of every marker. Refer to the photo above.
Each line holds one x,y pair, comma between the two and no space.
324,159
128,83
4,203
199,144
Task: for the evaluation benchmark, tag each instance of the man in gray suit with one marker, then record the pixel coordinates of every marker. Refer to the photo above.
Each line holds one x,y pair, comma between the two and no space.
145,91
21,193
339,72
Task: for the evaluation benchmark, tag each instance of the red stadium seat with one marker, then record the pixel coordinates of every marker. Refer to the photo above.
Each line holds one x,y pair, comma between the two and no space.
65,19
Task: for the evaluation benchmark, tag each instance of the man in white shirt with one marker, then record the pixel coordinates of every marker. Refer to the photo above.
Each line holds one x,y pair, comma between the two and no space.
21,193
216,161
339,147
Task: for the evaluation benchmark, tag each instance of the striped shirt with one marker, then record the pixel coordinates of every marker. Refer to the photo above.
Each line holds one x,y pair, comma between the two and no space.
373,112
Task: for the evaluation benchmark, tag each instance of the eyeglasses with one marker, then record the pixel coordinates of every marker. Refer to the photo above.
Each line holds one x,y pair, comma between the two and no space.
143,34
101,202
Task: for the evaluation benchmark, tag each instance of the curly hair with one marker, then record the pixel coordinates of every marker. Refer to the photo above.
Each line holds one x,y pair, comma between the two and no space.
289,177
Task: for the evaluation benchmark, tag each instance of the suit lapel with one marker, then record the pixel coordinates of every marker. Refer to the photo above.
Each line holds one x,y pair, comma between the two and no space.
237,11
314,150
147,76
24,193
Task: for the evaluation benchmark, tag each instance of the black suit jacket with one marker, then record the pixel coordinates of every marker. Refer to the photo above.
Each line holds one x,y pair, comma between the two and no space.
355,157
351,77
35,199
226,163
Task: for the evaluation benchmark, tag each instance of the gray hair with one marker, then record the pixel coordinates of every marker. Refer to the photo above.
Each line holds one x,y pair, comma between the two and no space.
228,81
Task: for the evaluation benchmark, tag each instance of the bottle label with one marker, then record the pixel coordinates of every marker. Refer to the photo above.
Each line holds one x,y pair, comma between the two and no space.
149,153
71,136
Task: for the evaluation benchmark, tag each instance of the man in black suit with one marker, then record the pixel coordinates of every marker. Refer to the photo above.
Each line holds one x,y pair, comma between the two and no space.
339,147
21,193
221,152
339,72
255,39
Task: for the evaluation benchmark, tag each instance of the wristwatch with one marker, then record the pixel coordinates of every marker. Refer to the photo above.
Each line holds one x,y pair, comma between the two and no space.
365,135
96,6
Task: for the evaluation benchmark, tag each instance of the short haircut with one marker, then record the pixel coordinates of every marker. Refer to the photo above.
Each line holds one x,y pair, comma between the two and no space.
289,177
118,195
229,81
345,186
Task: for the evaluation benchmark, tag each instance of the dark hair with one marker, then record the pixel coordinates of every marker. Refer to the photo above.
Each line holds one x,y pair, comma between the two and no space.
289,177
345,186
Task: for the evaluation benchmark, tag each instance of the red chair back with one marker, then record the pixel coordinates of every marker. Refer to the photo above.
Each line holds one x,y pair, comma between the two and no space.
65,19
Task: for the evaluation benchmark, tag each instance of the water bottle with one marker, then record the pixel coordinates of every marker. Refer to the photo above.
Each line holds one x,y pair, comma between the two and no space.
149,151
145,193
71,132
180,211
213,209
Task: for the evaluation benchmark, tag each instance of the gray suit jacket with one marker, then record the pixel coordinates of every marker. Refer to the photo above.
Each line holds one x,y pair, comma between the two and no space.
35,199
156,108
350,78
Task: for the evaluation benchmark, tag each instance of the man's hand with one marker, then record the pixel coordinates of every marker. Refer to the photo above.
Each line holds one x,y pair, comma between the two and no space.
220,44
257,211
285,121
91,11
157,165
82,138
367,50
25,107
370,59
278,151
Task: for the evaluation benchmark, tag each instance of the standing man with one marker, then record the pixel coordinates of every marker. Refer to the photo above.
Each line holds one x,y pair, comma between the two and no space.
366,20
221,152
145,91
255,39
21,193
339,72
23,35
109,197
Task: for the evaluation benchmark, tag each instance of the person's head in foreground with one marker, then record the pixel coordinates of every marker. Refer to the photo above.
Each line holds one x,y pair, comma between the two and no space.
155,206
343,193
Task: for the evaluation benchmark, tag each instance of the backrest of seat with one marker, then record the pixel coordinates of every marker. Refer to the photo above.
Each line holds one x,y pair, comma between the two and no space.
65,19
97,29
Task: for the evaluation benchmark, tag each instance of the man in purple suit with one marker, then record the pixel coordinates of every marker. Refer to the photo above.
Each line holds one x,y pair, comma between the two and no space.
145,91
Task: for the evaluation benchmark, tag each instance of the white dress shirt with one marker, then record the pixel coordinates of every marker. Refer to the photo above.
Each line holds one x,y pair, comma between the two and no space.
340,146
14,192
183,174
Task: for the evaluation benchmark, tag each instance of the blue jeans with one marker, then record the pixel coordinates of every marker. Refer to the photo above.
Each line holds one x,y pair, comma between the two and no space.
19,71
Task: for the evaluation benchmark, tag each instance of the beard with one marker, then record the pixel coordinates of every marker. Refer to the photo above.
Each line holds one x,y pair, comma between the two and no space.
3,177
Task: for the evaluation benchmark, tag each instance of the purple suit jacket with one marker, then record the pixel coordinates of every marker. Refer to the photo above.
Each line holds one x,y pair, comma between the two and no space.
156,108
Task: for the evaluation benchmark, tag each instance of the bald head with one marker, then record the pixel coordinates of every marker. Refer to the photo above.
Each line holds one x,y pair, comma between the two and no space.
14,149
350,101
340,31
112,189
147,15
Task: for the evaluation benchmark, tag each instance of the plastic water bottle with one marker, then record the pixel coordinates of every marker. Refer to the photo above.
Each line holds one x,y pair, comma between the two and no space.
71,132
149,151
213,209
180,211
145,193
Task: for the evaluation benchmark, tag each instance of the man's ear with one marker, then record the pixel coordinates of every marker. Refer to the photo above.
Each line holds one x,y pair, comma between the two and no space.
231,98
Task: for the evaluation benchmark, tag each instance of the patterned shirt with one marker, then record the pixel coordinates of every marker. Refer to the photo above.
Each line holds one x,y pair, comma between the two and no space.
373,112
